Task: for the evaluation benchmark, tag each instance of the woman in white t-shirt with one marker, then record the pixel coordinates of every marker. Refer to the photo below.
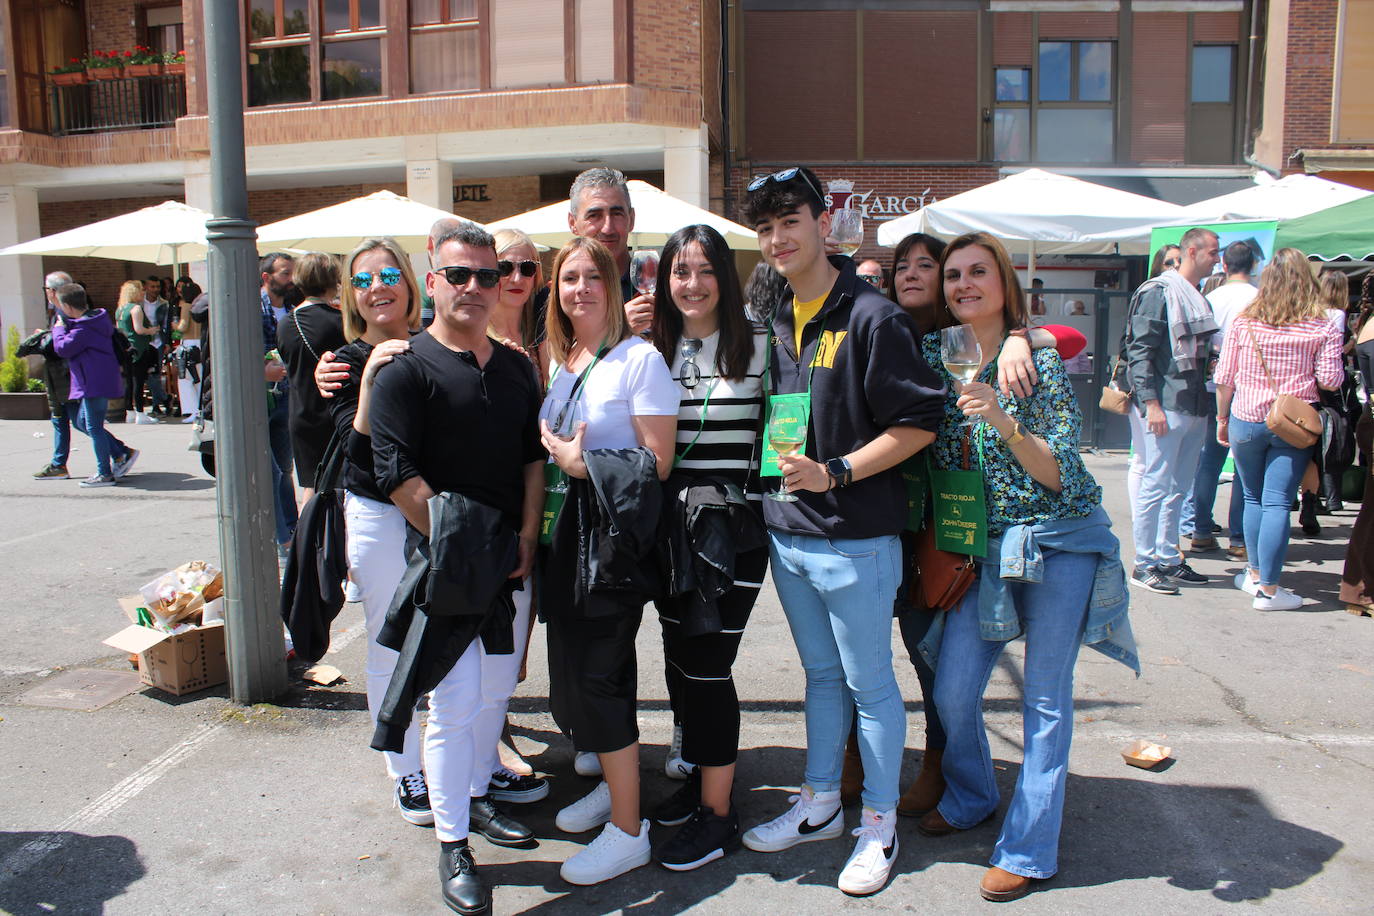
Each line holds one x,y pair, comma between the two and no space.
627,400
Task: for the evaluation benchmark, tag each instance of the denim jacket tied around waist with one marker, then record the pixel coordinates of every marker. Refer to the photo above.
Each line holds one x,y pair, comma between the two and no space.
1019,559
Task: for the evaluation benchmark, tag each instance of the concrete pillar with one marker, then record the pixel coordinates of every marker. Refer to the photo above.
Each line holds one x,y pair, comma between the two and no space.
429,179
21,276
196,177
686,165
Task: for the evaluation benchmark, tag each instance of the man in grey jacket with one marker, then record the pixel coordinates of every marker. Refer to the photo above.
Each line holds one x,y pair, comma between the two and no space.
1168,344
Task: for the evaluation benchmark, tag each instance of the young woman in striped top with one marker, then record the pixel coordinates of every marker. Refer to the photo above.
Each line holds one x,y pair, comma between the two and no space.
1283,343
717,357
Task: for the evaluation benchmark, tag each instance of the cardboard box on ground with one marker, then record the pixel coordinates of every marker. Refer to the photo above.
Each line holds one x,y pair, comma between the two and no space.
176,629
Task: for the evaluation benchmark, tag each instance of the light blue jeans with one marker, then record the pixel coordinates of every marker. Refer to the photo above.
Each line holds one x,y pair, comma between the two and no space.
837,595
1198,507
1170,462
1053,615
1270,471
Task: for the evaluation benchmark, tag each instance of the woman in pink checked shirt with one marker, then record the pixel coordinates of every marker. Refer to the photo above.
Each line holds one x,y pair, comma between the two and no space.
1282,343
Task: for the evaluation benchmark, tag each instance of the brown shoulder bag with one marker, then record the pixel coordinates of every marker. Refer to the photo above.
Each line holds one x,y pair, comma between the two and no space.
1290,418
939,577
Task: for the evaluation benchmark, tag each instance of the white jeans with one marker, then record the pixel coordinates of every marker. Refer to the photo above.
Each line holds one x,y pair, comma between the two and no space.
376,536
188,390
467,709
466,712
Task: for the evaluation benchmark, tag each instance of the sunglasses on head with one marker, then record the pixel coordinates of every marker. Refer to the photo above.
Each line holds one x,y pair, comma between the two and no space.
784,176
526,268
389,276
487,277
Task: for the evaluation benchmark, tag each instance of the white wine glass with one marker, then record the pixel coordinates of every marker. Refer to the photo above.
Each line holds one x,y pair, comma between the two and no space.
847,230
961,354
563,418
644,270
787,433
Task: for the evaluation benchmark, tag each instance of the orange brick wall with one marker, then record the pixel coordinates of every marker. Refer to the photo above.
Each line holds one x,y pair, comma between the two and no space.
110,25
667,36
1311,63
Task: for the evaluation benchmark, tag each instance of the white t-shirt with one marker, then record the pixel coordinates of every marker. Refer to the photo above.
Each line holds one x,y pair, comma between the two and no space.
1228,300
631,380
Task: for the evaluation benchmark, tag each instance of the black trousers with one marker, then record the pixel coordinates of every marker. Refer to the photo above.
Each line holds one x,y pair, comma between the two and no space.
701,687
593,673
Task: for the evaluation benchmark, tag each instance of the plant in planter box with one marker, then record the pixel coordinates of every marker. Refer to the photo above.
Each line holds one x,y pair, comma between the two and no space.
72,73
14,371
174,62
105,65
36,386
142,61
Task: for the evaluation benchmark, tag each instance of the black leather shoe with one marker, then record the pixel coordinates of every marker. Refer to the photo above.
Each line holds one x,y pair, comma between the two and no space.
462,891
485,818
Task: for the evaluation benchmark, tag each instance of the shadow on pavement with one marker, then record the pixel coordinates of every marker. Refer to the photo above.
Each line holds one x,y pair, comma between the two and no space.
1220,840
164,482
65,872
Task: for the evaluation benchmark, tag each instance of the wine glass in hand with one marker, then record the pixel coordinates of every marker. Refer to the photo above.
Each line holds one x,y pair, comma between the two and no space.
565,415
846,230
961,354
787,432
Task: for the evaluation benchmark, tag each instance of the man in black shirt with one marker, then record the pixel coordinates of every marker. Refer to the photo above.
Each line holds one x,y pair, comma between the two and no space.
458,413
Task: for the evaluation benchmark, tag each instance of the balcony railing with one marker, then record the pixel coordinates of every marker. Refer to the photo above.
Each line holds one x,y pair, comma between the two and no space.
131,103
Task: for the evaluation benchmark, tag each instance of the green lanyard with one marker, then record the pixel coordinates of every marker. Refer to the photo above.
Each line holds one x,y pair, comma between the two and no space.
705,406
576,393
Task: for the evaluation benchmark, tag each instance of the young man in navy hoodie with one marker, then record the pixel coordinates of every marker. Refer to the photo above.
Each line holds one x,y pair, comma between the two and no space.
835,551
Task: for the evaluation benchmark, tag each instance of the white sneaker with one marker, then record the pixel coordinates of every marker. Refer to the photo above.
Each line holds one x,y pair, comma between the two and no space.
1246,584
587,764
675,766
813,816
143,419
867,869
588,812
1282,600
126,464
612,853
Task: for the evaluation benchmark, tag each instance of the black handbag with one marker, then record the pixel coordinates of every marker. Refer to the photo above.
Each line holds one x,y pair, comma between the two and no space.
312,586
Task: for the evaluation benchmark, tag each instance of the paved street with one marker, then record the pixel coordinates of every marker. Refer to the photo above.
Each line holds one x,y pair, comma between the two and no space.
156,804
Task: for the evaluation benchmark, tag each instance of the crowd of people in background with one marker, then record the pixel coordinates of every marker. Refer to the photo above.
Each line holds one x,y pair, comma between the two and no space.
513,448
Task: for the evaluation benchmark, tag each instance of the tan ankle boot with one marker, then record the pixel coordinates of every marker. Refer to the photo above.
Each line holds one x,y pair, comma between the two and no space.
924,793
852,777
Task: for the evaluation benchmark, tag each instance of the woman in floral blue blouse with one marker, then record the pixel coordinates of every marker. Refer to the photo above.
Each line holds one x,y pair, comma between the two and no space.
1045,524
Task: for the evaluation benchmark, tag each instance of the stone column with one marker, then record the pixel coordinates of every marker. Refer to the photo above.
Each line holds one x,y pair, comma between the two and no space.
197,183
686,165
429,179
21,276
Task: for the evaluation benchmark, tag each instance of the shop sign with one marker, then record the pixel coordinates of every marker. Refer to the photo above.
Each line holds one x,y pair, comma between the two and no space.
470,193
873,205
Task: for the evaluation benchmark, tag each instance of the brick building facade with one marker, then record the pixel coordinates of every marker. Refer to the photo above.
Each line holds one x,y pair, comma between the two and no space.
546,89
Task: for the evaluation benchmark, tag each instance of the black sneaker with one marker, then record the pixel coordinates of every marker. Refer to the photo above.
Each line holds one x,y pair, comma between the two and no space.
705,837
682,804
512,787
1148,577
1182,572
412,796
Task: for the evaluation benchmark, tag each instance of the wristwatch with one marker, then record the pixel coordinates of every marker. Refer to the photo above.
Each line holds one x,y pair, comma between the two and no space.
1016,434
840,471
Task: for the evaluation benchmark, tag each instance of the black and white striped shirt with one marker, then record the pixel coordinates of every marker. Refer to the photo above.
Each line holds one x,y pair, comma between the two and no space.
719,418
